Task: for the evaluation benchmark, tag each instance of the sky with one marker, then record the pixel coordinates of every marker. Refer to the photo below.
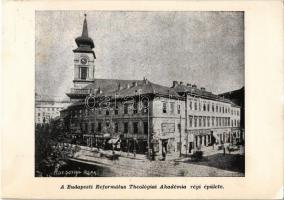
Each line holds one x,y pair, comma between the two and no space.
202,48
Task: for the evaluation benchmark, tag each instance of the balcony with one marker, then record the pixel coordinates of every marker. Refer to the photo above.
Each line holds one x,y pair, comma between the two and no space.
137,136
79,93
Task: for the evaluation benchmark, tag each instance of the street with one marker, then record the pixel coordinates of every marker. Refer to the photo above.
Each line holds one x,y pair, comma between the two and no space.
213,164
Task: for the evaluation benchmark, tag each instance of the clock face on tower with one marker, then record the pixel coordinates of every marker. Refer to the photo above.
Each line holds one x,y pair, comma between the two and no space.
84,60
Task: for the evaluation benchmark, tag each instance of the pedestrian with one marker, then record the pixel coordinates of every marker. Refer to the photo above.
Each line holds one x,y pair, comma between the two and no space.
224,149
228,148
164,153
152,152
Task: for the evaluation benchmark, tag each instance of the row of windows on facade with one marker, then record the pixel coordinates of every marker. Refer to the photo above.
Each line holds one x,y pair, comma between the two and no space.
165,109
172,108
126,125
47,114
44,119
126,109
207,121
213,108
48,108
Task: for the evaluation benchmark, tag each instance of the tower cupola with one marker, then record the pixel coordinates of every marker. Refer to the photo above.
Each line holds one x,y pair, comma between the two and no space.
84,42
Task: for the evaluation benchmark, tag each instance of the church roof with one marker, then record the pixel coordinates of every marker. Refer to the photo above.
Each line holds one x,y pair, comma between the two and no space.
109,84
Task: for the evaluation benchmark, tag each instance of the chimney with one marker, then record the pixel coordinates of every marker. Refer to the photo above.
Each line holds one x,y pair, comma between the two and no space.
194,86
119,87
134,84
175,83
145,81
188,85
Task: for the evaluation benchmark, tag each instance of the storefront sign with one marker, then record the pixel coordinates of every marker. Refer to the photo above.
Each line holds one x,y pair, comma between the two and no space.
200,132
166,135
168,127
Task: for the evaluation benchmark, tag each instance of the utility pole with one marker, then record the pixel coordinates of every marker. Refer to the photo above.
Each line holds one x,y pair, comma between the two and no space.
180,135
95,122
148,117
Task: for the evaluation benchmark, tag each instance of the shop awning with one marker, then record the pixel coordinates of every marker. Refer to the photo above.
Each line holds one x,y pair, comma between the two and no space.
215,135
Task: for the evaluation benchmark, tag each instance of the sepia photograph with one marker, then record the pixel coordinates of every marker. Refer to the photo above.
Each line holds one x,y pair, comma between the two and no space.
139,94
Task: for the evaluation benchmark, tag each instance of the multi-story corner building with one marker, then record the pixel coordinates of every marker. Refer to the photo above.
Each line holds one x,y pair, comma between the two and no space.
135,113
47,108
209,117
142,114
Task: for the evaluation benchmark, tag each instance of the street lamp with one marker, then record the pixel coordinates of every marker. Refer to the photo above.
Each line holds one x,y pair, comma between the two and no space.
148,135
90,107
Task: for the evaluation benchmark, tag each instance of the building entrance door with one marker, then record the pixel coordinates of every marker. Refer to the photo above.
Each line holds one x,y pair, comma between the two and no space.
165,145
164,148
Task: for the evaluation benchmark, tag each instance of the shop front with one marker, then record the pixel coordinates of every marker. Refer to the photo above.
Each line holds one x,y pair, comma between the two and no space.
88,139
222,136
167,143
199,138
236,135
134,143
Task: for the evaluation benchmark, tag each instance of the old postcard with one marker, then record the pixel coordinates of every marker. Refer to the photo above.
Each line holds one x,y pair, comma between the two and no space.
154,100
127,111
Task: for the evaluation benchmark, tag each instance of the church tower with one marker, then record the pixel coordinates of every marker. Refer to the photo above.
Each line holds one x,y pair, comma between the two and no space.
84,59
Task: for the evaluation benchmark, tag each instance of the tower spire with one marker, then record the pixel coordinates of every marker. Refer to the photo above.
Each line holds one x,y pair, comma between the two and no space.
85,27
84,39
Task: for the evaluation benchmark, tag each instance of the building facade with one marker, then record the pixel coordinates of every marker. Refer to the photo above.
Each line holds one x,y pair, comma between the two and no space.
141,116
47,108
210,119
238,97
135,114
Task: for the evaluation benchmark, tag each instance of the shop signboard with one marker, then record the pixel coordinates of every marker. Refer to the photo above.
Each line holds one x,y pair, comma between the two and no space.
168,127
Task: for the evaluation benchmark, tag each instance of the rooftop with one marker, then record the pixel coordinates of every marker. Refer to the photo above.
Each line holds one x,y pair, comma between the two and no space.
192,89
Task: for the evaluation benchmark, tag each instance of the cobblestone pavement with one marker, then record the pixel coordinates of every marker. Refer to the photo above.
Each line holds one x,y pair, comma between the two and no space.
214,164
